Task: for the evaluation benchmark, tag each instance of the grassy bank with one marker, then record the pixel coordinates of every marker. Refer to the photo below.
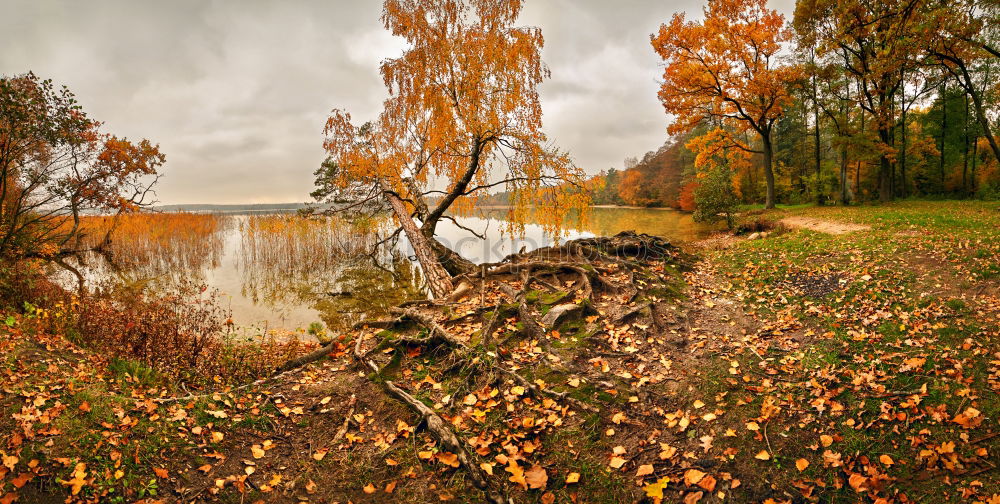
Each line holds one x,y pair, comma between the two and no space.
801,367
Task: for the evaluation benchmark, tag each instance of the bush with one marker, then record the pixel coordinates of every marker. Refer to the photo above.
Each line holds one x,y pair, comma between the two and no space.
714,197
23,282
989,191
182,333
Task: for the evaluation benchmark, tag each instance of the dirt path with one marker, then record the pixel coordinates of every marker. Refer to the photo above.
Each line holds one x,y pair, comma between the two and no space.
822,226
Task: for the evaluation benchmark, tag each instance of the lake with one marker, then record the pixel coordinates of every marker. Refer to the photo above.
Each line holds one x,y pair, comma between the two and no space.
279,273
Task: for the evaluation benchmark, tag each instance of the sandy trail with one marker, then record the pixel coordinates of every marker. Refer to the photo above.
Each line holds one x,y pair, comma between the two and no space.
823,226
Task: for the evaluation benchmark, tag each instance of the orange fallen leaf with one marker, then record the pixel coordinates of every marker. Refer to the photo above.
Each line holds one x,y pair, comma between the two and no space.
516,474
708,483
448,459
693,476
801,464
536,477
763,455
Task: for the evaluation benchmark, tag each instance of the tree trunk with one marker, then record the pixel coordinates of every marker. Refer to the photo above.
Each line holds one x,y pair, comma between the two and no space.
965,149
904,190
437,278
885,169
819,182
944,127
857,171
768,171
977,102
452,261
844,196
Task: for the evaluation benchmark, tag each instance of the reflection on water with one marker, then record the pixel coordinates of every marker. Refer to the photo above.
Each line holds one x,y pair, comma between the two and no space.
282,272
320,269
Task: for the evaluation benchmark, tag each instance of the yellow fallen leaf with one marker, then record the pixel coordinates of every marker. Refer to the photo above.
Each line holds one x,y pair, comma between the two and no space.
655,490
79,478
572,477
826,440
763,455
257,451
617,462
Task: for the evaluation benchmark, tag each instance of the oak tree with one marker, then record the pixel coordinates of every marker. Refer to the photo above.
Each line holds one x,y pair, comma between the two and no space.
727,70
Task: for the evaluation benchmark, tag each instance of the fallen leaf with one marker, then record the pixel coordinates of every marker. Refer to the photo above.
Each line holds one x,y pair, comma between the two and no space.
693,476
536,477
655,490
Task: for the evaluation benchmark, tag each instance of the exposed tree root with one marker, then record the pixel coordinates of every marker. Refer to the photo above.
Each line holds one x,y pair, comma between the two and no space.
436,426
585,268
539,392
308,358
436,330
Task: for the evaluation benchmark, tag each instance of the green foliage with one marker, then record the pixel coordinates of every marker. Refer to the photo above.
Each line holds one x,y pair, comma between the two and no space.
715,198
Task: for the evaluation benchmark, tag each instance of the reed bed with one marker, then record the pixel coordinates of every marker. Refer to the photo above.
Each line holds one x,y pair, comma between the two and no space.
295,246
161,244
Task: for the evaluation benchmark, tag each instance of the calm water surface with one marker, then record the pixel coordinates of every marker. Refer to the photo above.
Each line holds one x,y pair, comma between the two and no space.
279,274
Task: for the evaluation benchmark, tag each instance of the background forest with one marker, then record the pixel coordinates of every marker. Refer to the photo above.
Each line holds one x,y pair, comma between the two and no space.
912,84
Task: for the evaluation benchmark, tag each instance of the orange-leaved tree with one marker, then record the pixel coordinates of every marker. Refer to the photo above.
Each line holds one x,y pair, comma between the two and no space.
55,166
463,118
727,71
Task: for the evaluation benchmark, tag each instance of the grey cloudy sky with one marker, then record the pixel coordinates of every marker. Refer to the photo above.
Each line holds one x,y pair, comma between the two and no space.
236,92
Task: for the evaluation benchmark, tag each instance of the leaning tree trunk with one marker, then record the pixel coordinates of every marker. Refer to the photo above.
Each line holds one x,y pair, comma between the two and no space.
437,278
451,261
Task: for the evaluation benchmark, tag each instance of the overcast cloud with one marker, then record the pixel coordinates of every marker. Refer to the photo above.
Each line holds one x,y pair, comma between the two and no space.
236,92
